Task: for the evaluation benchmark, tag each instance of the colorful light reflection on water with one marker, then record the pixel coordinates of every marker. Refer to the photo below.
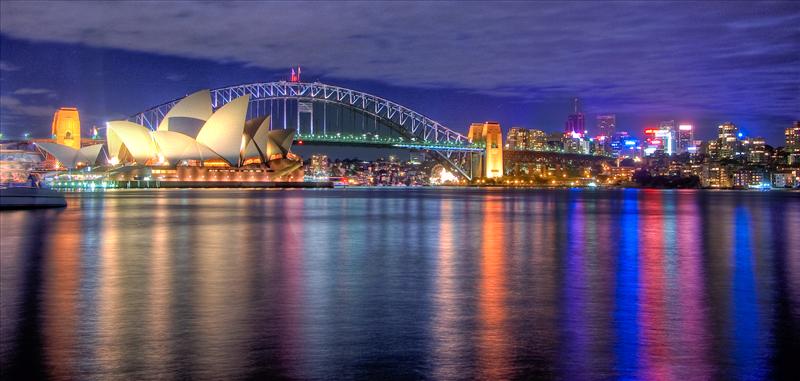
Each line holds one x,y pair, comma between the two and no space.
423,283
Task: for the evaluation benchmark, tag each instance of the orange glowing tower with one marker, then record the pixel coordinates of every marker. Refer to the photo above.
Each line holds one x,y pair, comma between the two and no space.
490,134
67,127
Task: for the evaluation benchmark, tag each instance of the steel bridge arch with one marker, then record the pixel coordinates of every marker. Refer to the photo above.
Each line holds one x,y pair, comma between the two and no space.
454,148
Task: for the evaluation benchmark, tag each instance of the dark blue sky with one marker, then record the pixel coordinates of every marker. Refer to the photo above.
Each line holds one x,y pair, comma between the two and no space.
517,63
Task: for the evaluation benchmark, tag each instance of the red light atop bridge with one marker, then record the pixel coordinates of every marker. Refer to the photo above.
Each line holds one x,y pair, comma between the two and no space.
295,75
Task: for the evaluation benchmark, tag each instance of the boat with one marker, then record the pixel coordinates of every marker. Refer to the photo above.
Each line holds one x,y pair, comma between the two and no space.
30,198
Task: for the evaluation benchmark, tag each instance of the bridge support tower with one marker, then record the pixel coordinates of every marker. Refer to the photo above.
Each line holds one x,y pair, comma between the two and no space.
491,136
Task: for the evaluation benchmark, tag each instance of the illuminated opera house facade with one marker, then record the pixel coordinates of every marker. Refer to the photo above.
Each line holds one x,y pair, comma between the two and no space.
194,143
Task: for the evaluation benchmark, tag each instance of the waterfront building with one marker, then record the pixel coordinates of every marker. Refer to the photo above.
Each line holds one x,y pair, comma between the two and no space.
749,177
621,174
192,135
786,178
716,175
606,125
66,127
71,158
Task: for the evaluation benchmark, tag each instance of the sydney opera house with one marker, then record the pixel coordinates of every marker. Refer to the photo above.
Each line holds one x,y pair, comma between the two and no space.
193,143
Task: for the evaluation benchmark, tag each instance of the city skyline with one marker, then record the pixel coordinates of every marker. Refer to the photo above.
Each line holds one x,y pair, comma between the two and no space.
237,190
756,87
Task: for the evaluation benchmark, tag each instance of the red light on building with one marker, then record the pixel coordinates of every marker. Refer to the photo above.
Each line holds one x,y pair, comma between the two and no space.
299,142
649,131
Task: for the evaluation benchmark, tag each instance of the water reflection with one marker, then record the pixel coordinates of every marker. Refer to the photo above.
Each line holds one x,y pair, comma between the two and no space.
492,335
402,284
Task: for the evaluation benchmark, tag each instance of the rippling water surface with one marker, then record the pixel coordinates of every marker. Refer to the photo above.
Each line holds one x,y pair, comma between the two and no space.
420,283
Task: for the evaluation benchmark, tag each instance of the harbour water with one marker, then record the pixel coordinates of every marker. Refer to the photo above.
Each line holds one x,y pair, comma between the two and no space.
403,284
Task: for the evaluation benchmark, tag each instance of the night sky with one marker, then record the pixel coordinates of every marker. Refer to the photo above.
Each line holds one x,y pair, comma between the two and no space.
518,63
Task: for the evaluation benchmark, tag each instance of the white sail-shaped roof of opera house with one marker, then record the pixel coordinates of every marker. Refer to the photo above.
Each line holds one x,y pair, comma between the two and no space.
191,130
70,157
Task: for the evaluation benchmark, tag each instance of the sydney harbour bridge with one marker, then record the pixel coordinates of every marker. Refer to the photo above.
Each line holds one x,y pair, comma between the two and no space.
333,115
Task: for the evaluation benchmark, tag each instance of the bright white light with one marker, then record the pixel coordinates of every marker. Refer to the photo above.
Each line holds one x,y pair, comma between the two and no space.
685,127
443,176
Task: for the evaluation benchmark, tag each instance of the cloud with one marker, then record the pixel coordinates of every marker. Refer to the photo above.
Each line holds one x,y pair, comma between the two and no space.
14,106
175,77
636,56
8,66
35,91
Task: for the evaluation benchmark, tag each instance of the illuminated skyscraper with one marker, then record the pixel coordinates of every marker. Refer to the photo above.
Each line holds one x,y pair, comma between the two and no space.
575,122
793,138
728,140
728,132
490,134
685,138
793,143
66,127
757,150
668,136
606,125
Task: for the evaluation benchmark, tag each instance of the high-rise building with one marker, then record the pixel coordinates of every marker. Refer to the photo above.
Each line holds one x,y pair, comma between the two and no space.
727,132
489,134
576,122
668,134
66,127
606,125
517,138
793,138
728,140
686,138
757,150
793,143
